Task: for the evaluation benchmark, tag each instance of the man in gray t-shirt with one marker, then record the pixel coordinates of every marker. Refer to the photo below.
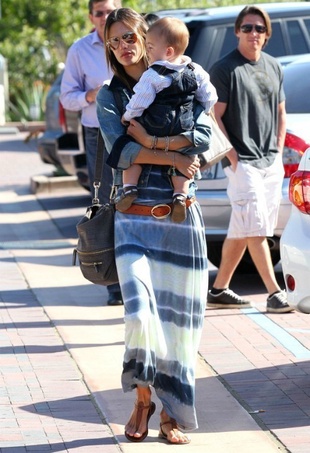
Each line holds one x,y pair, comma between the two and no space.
251,112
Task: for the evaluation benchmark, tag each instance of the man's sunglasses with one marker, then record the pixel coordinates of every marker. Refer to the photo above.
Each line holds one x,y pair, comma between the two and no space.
129,38
248,28
101,13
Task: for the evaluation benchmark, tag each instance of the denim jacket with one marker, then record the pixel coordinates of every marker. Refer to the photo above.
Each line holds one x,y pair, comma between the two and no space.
155,183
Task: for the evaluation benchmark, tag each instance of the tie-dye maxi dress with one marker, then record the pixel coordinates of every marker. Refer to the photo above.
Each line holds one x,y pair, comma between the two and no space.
163,276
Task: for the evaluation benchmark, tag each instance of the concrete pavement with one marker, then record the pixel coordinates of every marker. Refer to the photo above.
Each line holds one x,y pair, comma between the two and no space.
61,346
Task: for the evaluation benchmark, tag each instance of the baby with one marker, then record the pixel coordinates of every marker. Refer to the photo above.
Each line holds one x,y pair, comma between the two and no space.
163,103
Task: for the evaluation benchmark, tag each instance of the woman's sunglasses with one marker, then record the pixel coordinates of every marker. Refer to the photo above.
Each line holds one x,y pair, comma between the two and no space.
248,28
129,38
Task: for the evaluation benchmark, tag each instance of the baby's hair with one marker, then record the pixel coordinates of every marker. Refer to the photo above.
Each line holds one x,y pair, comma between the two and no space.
174,31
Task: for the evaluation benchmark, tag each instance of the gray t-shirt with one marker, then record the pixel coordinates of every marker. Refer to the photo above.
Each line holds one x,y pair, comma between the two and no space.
252,92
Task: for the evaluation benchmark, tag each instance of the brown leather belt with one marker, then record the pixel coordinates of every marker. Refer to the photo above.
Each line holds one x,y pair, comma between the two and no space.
159,211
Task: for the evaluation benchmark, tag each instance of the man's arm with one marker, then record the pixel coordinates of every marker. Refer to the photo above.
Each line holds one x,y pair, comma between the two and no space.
72,91
281,126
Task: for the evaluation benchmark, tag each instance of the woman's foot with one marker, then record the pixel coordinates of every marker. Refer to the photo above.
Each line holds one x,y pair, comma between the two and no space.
169,431
136,429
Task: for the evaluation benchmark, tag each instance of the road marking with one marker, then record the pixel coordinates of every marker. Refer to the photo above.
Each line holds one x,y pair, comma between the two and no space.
299,330
281,335
39,244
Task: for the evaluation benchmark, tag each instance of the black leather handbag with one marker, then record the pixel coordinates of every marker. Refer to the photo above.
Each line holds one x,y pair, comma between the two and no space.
95,248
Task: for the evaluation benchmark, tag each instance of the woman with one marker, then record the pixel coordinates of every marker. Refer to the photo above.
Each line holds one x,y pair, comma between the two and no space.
162,265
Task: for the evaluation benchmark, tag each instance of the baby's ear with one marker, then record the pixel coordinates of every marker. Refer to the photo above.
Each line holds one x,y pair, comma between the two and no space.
170,52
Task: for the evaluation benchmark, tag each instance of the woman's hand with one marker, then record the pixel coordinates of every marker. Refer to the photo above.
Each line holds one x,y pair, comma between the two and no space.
187,165
136,131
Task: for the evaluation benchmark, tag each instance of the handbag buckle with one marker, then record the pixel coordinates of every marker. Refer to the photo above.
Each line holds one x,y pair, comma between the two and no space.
96,192
161,206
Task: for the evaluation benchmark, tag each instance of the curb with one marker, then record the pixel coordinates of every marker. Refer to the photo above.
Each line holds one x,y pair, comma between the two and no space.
8,130
49,184
24,126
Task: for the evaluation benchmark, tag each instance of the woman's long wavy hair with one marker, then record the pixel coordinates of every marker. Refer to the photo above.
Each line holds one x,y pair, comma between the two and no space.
135,22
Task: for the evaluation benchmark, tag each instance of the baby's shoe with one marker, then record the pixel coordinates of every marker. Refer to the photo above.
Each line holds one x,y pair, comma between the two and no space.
178,214
127,196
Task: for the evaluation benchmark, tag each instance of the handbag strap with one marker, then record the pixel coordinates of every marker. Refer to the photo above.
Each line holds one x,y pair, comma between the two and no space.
98,167
100,154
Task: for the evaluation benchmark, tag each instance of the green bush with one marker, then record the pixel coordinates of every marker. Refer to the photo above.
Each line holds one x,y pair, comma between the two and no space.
29,104
34,38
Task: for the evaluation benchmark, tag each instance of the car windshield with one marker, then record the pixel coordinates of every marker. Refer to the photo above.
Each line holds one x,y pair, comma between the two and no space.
297,87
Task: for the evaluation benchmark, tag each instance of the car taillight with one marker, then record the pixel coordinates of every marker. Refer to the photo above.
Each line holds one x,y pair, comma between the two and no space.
299,190
290,282
294,147
62,118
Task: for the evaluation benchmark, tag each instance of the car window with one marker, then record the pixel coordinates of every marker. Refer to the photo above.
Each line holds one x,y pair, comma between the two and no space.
200,35
296,88
230,41
307,24
298,42
276,46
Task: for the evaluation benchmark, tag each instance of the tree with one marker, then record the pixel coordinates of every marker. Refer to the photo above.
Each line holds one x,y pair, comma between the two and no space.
34,38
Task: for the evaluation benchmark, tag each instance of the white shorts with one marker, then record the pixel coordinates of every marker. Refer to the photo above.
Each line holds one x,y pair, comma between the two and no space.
255,195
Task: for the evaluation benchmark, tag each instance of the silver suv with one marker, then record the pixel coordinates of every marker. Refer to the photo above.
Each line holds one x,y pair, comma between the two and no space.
212,30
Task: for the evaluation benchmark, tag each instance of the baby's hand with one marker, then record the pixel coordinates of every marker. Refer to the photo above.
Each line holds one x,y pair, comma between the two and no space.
124,122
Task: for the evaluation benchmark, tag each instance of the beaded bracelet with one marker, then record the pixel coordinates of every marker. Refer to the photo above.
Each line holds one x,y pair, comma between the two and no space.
154,142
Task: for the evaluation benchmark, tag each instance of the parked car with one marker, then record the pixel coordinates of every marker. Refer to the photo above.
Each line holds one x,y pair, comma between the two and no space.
295,240
212,30
61,127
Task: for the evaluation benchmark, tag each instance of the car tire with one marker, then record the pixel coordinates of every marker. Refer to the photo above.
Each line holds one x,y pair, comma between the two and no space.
246,265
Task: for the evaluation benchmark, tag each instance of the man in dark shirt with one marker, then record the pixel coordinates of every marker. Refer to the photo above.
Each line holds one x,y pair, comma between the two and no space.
251,112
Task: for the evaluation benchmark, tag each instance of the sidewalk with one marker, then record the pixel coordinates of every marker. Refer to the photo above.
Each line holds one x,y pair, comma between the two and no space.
61,346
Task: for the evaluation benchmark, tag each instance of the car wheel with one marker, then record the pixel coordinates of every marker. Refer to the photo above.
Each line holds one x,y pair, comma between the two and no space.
246,265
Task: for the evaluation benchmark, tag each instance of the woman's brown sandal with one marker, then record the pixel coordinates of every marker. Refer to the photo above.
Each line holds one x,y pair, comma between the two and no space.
174,426
140,408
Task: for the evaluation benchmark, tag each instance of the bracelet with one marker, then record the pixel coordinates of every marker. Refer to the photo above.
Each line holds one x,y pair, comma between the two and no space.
167,143
173,165
171,170
154,142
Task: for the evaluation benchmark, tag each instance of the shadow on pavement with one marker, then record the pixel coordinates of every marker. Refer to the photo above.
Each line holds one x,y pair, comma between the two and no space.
59,446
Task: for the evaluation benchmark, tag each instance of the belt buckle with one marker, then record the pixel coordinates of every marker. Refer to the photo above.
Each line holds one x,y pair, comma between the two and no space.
160,216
